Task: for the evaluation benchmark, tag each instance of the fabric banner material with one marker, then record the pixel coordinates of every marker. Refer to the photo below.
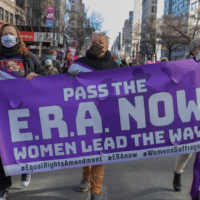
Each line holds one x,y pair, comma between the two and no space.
110,116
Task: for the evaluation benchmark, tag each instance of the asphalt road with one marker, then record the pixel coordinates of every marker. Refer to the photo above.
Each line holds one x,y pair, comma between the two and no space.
137,180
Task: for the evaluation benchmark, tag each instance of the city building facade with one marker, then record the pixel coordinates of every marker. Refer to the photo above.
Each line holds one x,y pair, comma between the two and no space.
127,36
136,33
76,17
179,9
149,11
159,15
167,7
116,47
13,12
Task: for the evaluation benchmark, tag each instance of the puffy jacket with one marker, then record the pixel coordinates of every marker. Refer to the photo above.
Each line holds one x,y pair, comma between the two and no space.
95,63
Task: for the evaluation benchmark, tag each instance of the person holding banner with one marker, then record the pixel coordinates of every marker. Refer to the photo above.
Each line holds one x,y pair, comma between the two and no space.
15,58
67,62
97,58
181,161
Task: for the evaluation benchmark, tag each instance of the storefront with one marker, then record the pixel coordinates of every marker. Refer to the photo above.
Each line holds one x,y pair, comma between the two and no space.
40,43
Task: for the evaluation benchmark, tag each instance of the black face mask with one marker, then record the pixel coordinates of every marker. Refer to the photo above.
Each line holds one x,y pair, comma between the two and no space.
96,49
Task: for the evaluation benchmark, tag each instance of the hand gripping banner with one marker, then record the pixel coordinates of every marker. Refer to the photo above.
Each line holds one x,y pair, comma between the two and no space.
110,116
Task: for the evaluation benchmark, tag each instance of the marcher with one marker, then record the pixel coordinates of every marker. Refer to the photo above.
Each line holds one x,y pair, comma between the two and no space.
164,59
124,61
56,63
117,59
98,58
181,161
48,66
114,57
130,64
67,62
15,58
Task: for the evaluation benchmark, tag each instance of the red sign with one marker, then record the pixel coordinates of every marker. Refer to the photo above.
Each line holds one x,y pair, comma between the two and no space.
27,36
1,23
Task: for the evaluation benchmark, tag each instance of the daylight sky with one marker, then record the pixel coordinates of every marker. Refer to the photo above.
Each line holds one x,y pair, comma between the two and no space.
115,12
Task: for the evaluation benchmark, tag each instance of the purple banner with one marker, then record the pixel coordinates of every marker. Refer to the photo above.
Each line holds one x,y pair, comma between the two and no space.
118,115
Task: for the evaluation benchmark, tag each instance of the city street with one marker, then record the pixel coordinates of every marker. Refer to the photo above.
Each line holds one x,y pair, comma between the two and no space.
141,180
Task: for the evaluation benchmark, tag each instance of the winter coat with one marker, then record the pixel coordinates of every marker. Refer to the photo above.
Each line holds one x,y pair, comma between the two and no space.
57,66
66,66
124,62
53,71
96,63
31,64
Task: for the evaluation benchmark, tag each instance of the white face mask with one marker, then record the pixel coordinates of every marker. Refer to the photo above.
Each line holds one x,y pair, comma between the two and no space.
9,40
54,57
48,62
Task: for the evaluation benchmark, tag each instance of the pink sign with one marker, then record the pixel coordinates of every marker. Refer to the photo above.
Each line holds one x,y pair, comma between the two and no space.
73,50
50,13
149,62
73,58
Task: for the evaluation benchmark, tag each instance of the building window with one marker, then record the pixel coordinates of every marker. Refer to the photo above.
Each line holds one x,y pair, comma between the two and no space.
11,18
21,4
152,9
6,16
72,25
72,16
194,5
73,8
1,14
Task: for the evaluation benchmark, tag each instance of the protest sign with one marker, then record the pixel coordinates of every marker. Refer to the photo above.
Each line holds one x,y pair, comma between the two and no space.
100,117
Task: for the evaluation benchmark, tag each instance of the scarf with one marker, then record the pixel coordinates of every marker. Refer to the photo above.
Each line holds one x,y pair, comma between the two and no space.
10,52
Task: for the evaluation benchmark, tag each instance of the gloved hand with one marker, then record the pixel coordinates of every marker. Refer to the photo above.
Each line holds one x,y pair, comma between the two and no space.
73,73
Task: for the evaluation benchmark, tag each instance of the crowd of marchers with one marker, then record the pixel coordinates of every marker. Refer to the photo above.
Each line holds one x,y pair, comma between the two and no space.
17,59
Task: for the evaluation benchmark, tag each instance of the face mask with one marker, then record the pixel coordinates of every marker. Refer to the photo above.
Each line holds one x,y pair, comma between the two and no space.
96,49
54,57
48,62
9,40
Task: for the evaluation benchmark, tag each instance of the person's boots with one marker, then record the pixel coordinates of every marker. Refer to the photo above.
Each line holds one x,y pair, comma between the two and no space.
177,181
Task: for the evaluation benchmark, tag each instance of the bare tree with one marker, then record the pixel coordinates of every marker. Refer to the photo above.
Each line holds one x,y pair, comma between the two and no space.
96,20
85,26
150,38
177,32
173,34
